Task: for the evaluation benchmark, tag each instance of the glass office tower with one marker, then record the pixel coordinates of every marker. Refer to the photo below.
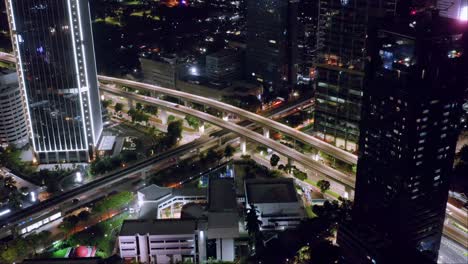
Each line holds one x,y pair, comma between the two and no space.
53,44
272,44
415,80
342,36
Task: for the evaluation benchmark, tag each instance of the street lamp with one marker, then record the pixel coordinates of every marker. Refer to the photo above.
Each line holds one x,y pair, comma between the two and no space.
78,177
194,71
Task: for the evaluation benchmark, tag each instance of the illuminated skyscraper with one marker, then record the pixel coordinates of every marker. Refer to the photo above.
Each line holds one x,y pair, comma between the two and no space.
272,44
342,36
53,44
412,100
457,9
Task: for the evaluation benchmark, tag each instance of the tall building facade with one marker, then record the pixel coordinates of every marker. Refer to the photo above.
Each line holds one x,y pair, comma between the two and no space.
409,128
13,126
53,44
342,36
456,9
272,44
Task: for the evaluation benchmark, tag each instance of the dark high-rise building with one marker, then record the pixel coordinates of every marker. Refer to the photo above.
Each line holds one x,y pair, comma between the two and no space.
307,39
410,123
272,44
53,45
342,35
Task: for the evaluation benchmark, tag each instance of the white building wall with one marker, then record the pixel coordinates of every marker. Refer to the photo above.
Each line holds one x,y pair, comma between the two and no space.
143,246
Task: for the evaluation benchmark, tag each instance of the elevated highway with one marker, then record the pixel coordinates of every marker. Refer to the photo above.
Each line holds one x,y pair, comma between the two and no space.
246,133
243,114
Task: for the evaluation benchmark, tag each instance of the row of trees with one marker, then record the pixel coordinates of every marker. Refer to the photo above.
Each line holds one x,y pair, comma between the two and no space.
309,243
112,202
18,249
322,184
107,164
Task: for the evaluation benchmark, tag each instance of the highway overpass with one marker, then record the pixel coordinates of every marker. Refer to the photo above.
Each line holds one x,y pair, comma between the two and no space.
243,114
306,160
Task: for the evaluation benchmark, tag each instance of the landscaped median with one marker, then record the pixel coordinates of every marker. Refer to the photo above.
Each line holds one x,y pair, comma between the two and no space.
332,193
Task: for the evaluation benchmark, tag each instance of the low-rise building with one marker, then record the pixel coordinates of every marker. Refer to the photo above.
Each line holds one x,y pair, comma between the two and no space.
277,203
198,218
224,65
160,70
161,241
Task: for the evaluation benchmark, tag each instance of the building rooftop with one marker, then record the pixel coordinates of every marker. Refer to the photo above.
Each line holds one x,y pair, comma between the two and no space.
223,53
158,227
221,195
154,192
223,220
107,143
270,191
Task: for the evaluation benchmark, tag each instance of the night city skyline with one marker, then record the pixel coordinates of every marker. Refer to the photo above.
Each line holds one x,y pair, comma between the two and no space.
245,131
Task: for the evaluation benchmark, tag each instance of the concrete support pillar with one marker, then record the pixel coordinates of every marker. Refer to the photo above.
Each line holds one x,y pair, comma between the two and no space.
243,145
290,161
266,132
202,247
153,94
172,210
219,251
163,116
225,116
349,193
130,103
201,128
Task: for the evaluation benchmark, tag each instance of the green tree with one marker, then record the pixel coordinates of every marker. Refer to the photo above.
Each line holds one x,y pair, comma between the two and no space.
171,119
15,199
118,107
106,103
84,216
323,185
193,121
174,132
150,109
213,156
274,160
334,212
69,223
139,106
299,174
274,174
253,228
115,201
229,151
14,250
133,114
24,190
9,183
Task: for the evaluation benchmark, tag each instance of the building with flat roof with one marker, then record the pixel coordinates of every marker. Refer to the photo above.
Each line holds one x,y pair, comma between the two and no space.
161,241
160,202
276,201
162,70
224,65
186,221
13,122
